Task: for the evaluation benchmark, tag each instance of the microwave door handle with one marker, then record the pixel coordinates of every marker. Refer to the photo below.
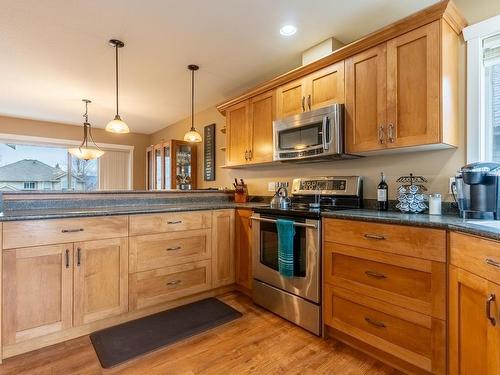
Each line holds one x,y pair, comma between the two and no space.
326,143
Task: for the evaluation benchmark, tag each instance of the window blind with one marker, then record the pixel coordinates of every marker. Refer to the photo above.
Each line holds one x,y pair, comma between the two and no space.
491,50
114,170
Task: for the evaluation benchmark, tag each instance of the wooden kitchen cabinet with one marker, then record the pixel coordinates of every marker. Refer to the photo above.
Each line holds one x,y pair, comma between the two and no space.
319,89
394,96
37,292
243,232
366,100
237,133
100,279
474,326
262,112
249,130
413,76
222,247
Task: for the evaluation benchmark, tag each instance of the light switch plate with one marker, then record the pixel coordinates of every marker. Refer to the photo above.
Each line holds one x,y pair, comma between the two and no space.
271,186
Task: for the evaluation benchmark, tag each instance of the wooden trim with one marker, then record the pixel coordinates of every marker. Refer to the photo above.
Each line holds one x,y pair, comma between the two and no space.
445,9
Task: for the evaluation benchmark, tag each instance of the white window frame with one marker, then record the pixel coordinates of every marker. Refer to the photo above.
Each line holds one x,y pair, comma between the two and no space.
477,131
33,141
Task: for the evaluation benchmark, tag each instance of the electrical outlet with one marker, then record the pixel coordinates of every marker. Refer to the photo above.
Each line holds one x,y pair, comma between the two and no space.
271,186
452,180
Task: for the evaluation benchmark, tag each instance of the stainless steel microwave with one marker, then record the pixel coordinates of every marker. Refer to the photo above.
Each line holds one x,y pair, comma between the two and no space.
313,134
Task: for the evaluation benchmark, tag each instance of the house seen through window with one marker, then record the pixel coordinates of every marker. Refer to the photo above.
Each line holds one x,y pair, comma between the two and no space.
40,167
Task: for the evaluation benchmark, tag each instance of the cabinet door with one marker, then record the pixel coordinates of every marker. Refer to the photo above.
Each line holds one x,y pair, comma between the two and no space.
326,86
261,121
413,71
222,248
366,100
237,134
474,340
291,98
159,168
243,248
100,279
37,292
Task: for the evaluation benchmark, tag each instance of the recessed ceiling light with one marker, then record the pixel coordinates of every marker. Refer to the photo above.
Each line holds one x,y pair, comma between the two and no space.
288,30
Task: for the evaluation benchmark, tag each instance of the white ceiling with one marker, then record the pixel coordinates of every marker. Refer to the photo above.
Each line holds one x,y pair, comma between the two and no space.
55,52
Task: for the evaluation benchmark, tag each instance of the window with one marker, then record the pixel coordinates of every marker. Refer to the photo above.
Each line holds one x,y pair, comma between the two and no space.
29,165
29,185
483,90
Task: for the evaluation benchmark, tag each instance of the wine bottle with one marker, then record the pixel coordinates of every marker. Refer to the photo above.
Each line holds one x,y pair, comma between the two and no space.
382,194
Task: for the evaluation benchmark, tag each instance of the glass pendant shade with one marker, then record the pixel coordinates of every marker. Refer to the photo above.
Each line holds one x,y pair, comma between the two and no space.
86,153
117,126
192,136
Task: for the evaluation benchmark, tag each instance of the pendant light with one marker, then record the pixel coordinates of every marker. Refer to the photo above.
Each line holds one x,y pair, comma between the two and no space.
84,151
117,125
192,135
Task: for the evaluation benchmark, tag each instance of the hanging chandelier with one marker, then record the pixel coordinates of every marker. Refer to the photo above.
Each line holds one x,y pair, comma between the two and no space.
192,135
117,125
86,151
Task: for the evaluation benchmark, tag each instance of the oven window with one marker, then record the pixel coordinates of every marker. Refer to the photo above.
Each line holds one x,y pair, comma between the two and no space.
269,248
301,137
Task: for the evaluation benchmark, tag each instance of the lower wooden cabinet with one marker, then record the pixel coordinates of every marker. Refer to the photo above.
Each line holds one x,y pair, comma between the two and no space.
222,247
100,279
243,243
37,292
474,306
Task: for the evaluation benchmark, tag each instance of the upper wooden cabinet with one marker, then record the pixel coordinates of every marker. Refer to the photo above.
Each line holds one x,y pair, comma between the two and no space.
403,93
316,90
249,134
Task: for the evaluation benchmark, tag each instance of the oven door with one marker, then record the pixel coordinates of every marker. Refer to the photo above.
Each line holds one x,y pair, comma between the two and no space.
307,268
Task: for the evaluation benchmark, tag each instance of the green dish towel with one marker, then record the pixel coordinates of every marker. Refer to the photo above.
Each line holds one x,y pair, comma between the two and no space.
286,232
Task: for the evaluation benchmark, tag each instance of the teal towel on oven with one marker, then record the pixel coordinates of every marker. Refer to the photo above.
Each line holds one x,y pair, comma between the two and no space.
286,232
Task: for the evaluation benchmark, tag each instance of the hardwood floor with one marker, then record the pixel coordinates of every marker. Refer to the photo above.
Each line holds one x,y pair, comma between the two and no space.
258,343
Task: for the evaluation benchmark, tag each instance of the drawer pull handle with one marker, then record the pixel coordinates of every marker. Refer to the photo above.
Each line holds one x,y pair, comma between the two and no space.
491,298
372,236
375,275
67,258
174,222
493,263
72,230
375,323
174,248
78,256
174,282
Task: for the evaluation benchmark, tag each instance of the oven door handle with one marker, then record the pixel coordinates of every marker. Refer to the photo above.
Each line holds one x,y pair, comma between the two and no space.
305,225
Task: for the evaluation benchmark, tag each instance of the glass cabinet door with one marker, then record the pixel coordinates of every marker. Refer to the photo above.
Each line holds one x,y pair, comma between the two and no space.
150,169
158,169
167,160
183,166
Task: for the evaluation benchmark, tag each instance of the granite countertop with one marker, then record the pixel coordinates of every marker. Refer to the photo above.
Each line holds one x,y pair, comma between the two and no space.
58,213
483,228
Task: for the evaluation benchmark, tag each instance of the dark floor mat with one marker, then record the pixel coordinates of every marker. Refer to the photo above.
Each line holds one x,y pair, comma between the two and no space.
121,343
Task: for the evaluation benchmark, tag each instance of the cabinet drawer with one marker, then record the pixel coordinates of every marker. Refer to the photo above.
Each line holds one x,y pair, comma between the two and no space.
422,243
410,336
168,249
477,255
412,283
170,222
165,284
52,231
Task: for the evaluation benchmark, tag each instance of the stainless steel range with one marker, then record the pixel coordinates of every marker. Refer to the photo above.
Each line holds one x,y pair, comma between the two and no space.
298,298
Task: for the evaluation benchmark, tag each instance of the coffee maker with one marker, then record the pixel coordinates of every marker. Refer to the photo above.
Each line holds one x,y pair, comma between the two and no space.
477,191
